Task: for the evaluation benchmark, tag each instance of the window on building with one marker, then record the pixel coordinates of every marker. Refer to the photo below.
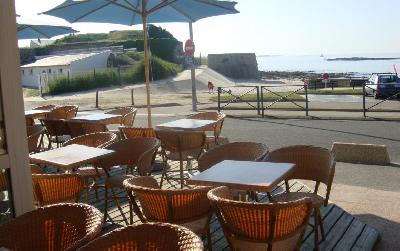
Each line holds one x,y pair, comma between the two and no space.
31,72
49,70
23,72
60,70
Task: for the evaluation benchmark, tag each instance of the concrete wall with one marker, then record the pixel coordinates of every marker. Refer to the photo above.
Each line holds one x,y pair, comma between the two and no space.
98,61
234,65
33,76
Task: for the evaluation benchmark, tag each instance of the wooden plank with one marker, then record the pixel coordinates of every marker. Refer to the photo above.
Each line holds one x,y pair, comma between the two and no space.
337,232
343,231
350,236
366,240
328,220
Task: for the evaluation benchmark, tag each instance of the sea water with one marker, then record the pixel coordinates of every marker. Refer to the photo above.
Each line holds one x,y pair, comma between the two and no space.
320,64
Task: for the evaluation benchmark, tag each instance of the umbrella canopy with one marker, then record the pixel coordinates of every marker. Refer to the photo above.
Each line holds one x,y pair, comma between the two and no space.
131,12
32,31
35,27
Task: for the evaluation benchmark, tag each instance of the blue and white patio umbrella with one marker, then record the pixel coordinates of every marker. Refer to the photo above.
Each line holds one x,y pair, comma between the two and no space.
36,28
131,12
34,31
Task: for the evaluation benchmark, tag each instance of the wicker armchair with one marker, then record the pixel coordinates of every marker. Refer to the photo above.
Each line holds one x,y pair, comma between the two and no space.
261,226
30,120
100,140
34,133
55,188
57,227
137,152
137,132
314,164
215,129
79,128
128,115
187,207
57,131
145,237
180,146
246,151
64,112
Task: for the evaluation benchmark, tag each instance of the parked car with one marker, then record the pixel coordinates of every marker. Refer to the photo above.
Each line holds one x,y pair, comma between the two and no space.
382,85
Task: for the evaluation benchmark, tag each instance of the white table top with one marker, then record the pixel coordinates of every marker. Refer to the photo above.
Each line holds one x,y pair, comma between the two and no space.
70,156
36,112
189,124
97,117
244,175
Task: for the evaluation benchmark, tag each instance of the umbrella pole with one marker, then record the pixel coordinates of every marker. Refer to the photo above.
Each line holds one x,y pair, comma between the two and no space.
193,74
146,70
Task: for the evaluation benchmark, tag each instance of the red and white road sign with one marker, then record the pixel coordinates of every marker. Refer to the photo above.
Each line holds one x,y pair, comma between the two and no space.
189,48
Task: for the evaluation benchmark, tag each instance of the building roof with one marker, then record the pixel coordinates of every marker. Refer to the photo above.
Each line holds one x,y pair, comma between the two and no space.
58,60
42,42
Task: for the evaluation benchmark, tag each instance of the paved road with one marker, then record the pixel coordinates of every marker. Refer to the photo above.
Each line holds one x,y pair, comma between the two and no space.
279,132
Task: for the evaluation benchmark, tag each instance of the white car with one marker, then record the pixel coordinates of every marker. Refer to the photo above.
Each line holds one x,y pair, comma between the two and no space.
382,85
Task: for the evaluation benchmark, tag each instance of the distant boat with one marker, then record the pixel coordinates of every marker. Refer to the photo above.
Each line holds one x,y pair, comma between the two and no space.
322,55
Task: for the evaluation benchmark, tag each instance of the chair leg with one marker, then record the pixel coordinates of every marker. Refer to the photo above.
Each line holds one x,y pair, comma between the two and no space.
115,199
321,225
130,213
181,172
316,242
105,203
209,241
164,172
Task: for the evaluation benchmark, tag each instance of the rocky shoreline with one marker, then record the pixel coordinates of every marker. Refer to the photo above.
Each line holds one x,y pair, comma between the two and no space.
293,75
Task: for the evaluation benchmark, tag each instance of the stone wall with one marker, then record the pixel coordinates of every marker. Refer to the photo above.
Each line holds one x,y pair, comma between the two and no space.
235,65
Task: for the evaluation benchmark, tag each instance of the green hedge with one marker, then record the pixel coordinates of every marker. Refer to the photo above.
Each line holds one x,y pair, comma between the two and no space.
109,77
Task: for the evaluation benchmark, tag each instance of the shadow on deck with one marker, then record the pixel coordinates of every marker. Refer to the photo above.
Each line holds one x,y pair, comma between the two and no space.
343,231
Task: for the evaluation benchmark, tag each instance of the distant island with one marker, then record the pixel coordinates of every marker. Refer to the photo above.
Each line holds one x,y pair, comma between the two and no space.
358,59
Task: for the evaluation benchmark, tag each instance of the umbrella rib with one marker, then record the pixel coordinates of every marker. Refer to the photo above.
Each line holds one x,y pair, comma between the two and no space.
62,7
125,7
217,5
38,31
90,12
183,13
133,7
161,5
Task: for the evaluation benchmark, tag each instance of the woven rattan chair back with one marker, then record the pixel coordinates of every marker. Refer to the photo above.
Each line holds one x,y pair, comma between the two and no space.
63,112
58,227
128,115
55,127
137,132
34,133
98,139
246,151
148,236
3,180
30,121
79,128
217,116
56,188
135,151
261,226
173,206
312,163
181,141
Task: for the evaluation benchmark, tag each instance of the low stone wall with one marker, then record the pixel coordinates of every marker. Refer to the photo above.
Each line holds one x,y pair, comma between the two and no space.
235,65
361,153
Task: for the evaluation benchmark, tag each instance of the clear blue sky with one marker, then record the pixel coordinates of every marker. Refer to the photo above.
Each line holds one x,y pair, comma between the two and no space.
290,27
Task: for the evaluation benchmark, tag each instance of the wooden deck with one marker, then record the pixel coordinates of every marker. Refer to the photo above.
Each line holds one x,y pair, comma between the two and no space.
343,231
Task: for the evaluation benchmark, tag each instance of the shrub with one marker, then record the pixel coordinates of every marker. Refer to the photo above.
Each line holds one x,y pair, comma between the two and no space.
103,78
159,69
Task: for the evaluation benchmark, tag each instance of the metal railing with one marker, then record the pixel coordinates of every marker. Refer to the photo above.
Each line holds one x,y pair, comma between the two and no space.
265,97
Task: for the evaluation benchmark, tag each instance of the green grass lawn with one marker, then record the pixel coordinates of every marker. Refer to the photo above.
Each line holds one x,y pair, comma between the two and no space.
268,97
27,92
337,91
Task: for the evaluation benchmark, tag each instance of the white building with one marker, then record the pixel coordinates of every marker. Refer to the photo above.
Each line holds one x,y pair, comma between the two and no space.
40,43
38,74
